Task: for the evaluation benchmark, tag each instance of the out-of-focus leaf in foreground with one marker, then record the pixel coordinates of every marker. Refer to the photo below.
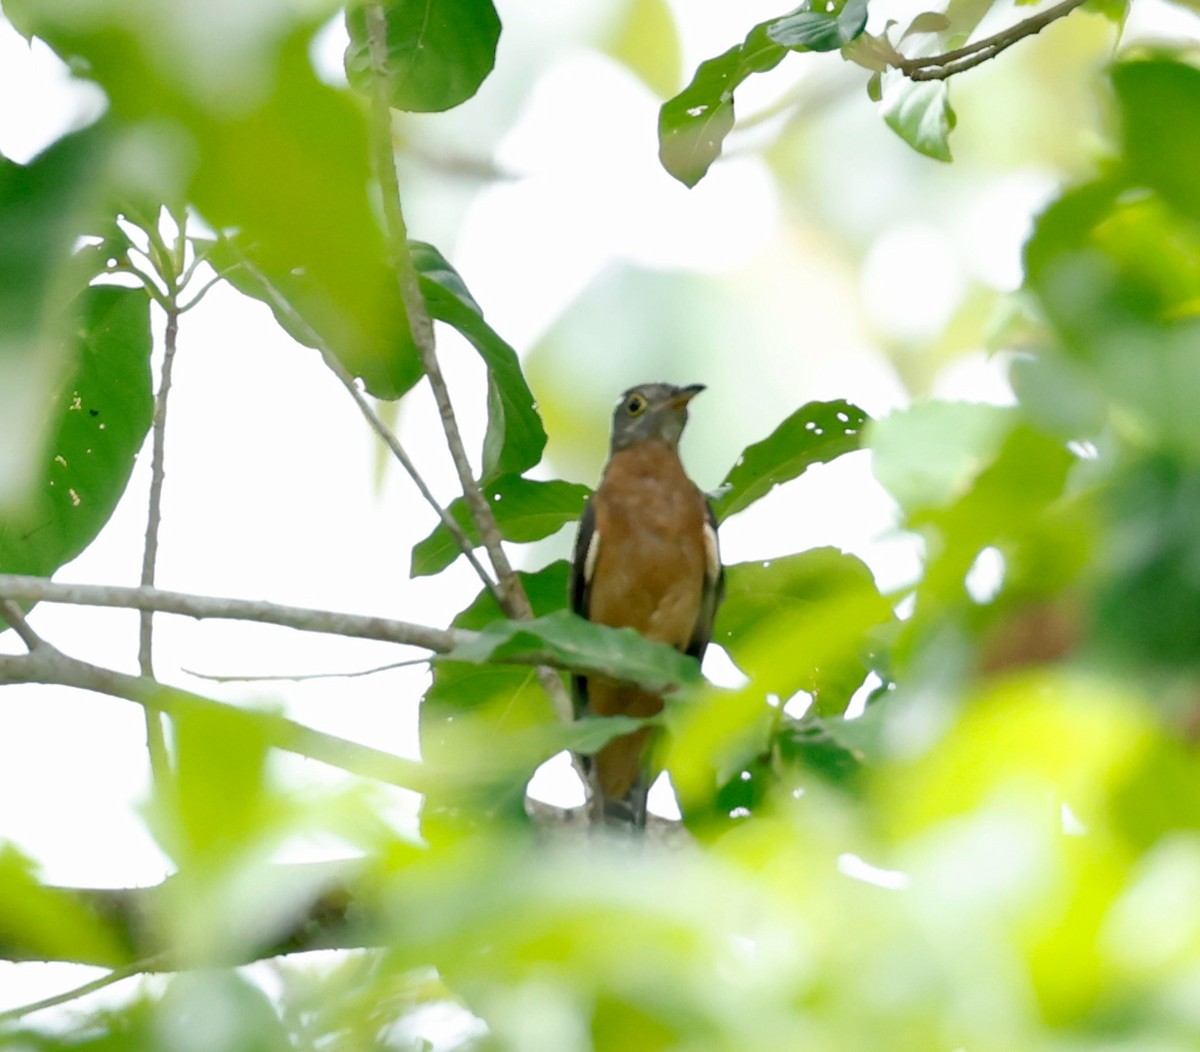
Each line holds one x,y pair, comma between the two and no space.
227,114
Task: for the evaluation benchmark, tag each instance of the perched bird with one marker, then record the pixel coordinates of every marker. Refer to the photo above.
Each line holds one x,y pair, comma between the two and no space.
646,557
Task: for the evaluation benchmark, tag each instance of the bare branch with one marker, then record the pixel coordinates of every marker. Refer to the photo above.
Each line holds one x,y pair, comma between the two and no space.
49,666
514,602
38,589
13,614
940,67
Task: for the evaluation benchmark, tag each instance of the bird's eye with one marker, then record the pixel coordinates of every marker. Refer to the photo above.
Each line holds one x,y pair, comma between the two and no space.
635,405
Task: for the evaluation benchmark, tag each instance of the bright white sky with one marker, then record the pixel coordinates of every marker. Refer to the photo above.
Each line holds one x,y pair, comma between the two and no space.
271,488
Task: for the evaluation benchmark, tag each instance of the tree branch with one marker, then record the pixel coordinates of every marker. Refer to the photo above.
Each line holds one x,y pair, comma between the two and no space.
15,617
337,916
38,589
513,601
47,665
947,64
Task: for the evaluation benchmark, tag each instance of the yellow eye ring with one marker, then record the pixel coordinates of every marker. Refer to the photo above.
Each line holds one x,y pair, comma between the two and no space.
635,405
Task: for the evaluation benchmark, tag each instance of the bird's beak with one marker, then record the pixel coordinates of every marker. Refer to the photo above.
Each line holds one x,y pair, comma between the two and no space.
685,395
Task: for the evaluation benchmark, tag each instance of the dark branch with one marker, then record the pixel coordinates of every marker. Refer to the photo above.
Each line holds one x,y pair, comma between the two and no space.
947,64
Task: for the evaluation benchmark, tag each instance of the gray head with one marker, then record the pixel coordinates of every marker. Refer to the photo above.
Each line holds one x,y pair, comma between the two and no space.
651,412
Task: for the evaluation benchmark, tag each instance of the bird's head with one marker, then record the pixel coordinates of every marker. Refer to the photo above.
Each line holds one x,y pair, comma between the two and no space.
651,412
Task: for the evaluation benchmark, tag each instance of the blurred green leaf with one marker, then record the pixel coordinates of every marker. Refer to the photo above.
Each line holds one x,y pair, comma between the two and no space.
99,421
213,1008
515,436
827,29
39,922
919,112
1147,609
438,51
490,722
525,510
802,622
249,136
928,455
646,40
692,126
927,22
302,310
812,744
1160,111
220,800
815,433
567,640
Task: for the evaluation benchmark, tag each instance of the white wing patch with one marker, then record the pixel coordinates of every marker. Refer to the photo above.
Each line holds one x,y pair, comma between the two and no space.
712,553
589,562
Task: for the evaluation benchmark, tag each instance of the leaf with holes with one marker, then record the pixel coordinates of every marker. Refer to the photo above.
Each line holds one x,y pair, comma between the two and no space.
101,416
692,126
814,434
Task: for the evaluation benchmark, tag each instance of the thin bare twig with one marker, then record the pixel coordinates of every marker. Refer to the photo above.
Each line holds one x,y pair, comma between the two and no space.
156,741
117,975
385,433
513,601
947,64
304,677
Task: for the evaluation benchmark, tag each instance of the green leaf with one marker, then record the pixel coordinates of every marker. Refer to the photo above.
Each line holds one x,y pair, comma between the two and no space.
302,311
647,42
252,139
438,51
44,206
1147,609
42,923
927,22
811,743
803,622
492,723
825,30
814,434
525,510
220,799
515,436
692,126
919,112
568,641
929,455
101,416
1160,111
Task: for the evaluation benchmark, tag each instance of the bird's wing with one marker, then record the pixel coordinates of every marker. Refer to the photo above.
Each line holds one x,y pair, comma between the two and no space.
587,544
714,588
